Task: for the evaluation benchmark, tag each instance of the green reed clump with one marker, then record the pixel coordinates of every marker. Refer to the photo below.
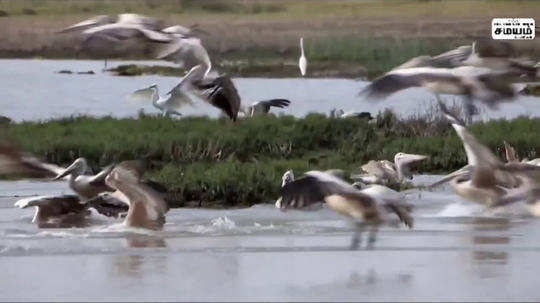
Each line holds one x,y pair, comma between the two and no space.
213,161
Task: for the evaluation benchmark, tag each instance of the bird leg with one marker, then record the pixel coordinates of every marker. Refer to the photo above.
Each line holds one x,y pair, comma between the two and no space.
357,236
470,110
372,236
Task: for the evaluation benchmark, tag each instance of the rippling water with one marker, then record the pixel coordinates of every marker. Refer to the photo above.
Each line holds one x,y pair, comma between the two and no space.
457,250
33,90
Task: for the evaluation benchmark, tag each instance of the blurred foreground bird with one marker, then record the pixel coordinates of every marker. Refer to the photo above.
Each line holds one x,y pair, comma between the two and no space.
363,207
486,180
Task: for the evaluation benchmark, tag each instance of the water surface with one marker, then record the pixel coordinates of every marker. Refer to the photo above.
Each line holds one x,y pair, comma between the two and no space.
33,90
456,251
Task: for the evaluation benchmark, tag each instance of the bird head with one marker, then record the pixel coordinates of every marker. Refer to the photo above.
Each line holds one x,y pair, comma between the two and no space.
288,177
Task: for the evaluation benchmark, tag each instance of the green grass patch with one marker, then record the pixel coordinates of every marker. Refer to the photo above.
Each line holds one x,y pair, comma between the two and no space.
213,162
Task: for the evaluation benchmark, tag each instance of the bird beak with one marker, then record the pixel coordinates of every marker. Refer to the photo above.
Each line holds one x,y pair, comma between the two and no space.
65,173
414,158
60,176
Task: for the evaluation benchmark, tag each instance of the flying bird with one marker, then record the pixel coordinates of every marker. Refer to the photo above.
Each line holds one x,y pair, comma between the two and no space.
170,104
486,180
474,83
363,207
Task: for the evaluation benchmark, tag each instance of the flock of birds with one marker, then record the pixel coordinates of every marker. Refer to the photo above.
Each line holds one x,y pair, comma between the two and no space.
485,72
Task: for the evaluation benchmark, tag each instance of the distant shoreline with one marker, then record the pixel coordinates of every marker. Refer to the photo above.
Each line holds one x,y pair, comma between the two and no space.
247,38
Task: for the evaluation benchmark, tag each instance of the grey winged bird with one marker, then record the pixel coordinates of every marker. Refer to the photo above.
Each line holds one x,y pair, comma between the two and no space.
262,108
367,207
483,71
485,179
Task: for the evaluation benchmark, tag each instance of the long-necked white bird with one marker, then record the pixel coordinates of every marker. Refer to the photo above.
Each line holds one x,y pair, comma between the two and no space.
361,206
85,186
486,180
385,172
175,99
302,62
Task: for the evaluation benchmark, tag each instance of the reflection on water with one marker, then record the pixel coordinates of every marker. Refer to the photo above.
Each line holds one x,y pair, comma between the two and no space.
483,258
140,241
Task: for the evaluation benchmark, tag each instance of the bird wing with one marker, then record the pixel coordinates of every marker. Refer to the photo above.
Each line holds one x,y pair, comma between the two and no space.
110,204
401,79
222,94
486,166
453,57
99,178
61,204
14,162
188,52
465,170
127,30
143,95
315,186
178,94
378,169
146,206
281,103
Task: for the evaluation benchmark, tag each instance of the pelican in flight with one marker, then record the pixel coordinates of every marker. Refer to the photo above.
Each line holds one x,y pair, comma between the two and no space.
363,207
486,180
386,172
217,90
496,55
147,22
262,108
173,101
125,26
302,62
474,83
147,208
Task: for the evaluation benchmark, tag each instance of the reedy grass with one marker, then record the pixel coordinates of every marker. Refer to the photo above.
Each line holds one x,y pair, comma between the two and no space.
213,162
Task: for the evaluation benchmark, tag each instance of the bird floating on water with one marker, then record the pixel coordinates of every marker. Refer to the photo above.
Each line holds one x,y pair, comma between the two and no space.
387,173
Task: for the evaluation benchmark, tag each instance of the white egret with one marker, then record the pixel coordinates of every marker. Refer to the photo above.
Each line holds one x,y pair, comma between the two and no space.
302,62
